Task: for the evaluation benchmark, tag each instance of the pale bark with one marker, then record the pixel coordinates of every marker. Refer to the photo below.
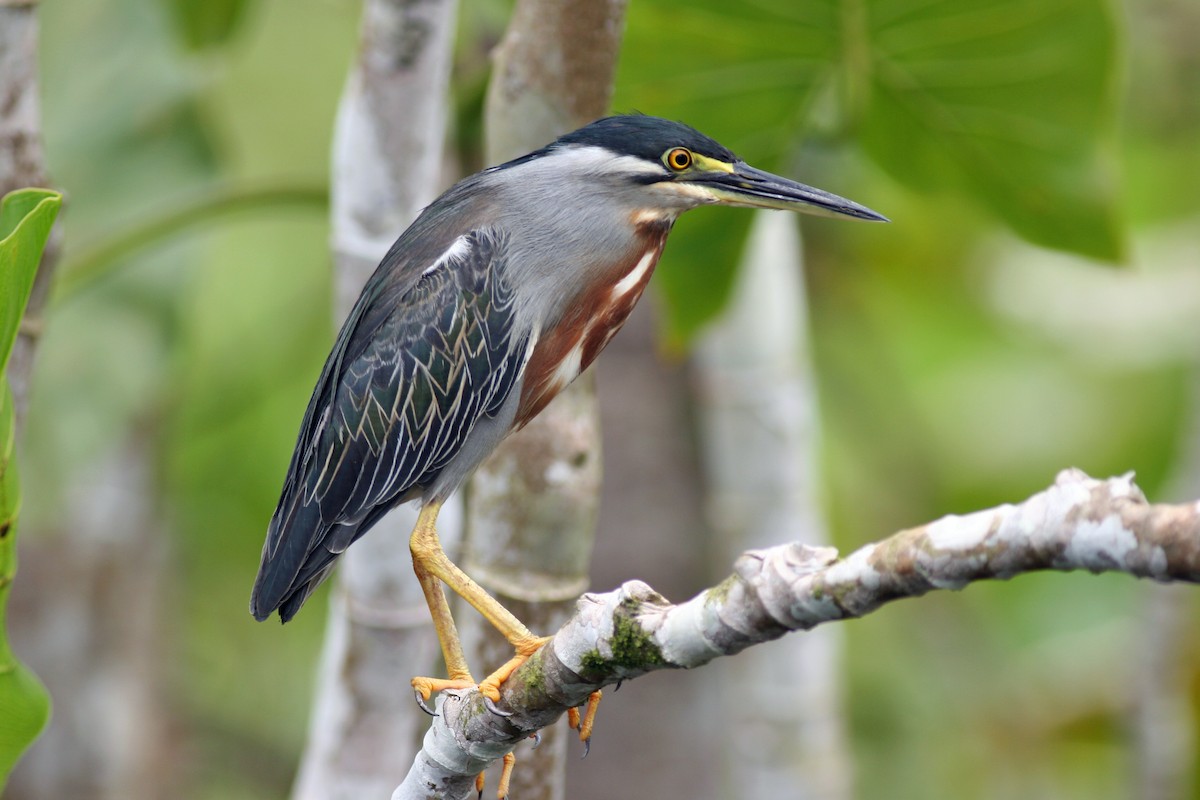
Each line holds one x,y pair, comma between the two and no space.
387,165
757,409
1162,718
105,737
554,72
22,163
87,601
1079,523
531,512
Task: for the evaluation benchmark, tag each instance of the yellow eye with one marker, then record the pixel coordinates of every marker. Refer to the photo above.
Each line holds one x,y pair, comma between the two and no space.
679,159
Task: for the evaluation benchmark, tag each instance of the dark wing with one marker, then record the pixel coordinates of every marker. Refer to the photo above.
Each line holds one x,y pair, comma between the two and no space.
413,369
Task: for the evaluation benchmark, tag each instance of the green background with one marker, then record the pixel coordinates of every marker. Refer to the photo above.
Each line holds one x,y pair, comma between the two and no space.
1016,145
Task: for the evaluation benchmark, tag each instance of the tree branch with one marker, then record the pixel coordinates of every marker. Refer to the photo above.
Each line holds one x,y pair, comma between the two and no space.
1078,523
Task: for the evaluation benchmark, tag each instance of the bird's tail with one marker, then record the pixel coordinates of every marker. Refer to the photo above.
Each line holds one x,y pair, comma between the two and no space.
291,566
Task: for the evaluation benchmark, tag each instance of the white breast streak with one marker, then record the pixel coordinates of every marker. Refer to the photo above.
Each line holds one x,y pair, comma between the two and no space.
568,369
459,247
530,346
635,276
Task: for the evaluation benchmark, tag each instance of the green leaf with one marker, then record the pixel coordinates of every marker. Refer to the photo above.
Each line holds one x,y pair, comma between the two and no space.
1011,104
25,701
698,270
746,73
26,216
993,100
204,24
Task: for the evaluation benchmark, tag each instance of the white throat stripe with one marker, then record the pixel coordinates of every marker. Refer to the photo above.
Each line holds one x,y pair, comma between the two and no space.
626,284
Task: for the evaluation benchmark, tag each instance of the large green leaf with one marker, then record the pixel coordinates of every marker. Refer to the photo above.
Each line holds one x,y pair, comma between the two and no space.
1011,102
1008,103
745,72
203,24
26,216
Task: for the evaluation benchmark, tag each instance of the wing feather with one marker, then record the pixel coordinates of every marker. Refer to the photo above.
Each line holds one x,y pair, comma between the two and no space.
399,395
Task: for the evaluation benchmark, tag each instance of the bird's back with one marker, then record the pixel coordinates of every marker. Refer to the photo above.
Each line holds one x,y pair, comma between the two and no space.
428,372
427,354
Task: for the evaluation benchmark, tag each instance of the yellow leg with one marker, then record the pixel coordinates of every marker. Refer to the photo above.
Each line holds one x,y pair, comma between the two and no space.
431,564
443,623
490,686
584,725
427,551
506,772
447,633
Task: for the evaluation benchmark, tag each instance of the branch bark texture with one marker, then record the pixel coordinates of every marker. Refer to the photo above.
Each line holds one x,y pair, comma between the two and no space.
1079,523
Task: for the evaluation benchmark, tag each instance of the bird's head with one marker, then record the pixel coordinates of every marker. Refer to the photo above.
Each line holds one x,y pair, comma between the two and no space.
673,167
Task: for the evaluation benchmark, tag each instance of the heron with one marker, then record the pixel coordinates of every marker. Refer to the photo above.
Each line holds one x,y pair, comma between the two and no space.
499,295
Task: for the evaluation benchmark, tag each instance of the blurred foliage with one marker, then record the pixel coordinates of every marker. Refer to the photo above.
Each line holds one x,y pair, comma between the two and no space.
988,101
26,216
984,130
207,24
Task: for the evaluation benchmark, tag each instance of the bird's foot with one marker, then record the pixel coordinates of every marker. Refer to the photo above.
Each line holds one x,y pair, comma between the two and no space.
489,687
584,724
424,689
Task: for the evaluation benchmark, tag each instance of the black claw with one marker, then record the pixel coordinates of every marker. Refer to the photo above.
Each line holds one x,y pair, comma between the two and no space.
617,688
537,739
587,748
422,704
490,706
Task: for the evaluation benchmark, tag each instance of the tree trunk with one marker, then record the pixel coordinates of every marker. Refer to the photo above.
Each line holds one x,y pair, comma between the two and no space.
387,165
531,512
758,419
97,644
23,163
97,652
1162,720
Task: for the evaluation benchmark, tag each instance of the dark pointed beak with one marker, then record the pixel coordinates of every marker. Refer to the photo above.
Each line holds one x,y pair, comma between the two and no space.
752,188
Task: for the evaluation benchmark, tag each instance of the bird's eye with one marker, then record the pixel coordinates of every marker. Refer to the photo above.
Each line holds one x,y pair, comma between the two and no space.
679,159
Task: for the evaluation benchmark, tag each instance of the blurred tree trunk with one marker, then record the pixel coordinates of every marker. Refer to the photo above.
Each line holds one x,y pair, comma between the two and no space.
387,165
1163,723
23,163
531,510
72,615
88,606
758,420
